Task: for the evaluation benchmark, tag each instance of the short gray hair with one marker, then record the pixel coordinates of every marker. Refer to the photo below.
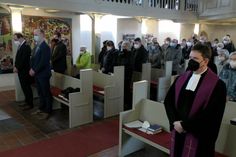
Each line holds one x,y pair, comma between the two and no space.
223,51
232,54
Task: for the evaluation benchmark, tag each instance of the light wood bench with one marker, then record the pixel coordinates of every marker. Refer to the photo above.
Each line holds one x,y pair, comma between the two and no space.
111,88
131,140
80,103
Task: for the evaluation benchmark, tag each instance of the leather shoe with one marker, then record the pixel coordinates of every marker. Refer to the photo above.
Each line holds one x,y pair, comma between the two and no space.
27,108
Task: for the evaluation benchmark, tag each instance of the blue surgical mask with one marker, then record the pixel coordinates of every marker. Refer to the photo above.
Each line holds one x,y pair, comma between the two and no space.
173,44
153,47
36,38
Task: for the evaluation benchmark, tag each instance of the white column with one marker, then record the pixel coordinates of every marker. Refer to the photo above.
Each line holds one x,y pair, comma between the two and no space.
16,17
75,37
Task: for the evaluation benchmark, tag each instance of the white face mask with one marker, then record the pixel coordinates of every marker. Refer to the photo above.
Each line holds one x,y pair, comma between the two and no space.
109,48
221,58
17,43
225,41
202,41
167,42
189,44
36,38
233,64
218,48
137,46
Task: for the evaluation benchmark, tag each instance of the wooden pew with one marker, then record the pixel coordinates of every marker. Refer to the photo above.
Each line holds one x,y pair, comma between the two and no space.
159,76
157,73
144,75
80,103
131,140
111,87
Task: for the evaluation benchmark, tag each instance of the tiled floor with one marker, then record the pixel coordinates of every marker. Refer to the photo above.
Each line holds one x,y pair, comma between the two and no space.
28,133
21,131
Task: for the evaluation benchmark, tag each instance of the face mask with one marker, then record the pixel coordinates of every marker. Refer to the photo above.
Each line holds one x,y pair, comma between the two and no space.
189,44
214,45
193,65
82,51
218,48
153,47
36,38
173,44
167,42
17,43
202,41
221,58
233,64
136,46
109,48
225,42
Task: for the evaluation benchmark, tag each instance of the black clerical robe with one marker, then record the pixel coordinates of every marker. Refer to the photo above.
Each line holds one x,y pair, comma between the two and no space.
203,125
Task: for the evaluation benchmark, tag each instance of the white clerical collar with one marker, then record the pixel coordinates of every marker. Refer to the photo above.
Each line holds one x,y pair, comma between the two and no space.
193,81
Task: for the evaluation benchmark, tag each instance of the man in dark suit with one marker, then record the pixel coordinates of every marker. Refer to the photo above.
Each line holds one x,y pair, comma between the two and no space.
59,55
140,55
22,67
41,70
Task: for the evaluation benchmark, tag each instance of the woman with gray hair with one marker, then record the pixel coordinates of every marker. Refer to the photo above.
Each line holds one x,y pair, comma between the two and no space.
228,75
222,59
125,59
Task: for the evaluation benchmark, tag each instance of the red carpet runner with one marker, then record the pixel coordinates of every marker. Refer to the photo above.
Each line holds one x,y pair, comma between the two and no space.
80,143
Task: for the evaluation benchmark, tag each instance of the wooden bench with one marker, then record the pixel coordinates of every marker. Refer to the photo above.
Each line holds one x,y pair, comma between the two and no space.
131,140
111,88
144,75
80,103
157,73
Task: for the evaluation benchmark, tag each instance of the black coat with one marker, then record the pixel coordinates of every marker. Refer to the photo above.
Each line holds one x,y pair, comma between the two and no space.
125,59
22,60
59,58
140,56
110,60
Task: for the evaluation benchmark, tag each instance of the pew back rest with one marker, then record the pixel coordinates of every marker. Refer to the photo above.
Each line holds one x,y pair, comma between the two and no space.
153,112
164,84
157,73
229,113
102,80
64,81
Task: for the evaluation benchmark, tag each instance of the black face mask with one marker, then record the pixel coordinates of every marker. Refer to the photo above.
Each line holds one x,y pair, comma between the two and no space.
193,65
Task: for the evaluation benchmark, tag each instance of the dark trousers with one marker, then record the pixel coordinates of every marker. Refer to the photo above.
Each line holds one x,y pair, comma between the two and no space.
45,96
25,82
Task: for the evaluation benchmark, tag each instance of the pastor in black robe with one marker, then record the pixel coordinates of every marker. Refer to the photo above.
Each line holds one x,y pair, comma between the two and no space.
204,125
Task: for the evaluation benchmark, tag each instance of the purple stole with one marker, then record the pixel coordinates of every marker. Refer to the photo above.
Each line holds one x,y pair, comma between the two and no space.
202,97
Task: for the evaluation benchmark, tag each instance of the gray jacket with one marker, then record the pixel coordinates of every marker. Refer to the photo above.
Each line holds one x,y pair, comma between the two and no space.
175,55
228,75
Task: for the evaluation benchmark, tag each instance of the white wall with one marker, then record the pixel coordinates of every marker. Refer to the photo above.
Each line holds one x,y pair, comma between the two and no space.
132,26
108,28
128,26
85,32
219,31
152,27
186,31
